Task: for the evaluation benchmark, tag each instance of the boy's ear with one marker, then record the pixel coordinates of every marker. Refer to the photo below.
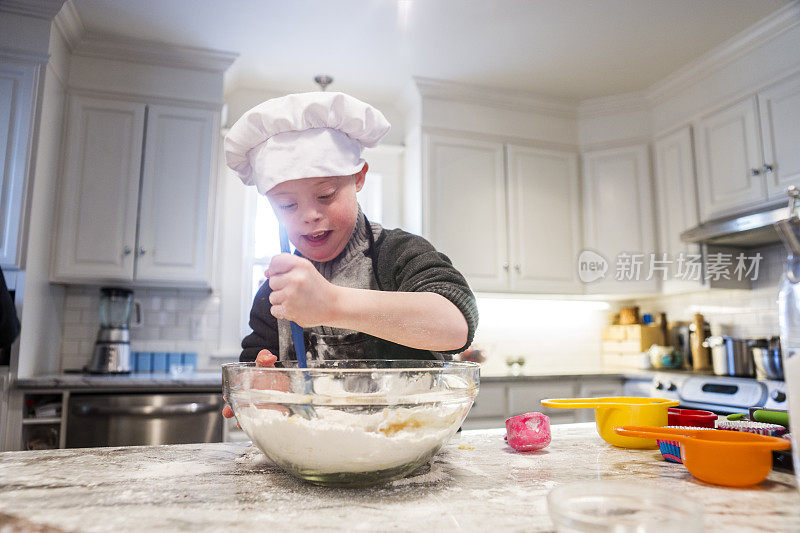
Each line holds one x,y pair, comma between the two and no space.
360,176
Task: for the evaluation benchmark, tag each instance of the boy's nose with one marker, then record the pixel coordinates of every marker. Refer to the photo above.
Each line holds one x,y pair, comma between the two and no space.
311,215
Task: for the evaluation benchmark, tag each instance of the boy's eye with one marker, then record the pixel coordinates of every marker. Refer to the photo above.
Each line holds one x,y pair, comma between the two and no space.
287,206
328,196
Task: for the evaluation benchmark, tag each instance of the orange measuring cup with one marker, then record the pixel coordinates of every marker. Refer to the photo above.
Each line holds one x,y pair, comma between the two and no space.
730,458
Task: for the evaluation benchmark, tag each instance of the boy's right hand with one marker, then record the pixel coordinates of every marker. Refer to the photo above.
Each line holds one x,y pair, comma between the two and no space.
264,358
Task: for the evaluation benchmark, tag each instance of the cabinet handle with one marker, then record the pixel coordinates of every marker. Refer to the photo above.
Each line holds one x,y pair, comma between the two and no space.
755,172
142,251
517,268
505,266
127,250
768,169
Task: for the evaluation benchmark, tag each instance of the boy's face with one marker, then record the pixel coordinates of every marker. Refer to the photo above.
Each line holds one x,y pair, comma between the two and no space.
319,213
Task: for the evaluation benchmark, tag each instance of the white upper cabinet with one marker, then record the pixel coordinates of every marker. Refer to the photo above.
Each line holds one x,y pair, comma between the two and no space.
779,106
99,193
464,206
618,217
17,96
729,160
174,217
134,202
544,215
507,216
677,201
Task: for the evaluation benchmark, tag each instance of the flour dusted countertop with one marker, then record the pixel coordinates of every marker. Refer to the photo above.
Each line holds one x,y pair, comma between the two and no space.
477,483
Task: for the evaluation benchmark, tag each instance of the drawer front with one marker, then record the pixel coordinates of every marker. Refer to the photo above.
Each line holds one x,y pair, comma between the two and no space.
527,398
490,402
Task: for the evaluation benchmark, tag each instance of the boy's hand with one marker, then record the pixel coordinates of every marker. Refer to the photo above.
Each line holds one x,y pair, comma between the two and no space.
264,358
299,292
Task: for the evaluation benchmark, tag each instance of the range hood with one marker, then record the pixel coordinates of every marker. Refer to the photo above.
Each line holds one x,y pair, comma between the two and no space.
749,230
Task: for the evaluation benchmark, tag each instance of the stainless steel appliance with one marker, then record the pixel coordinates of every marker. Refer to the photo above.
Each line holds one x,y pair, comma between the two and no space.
722,395
731,357
768,358
143,419
112,350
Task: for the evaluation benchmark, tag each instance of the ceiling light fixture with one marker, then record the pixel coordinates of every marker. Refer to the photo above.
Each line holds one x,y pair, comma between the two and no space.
323,80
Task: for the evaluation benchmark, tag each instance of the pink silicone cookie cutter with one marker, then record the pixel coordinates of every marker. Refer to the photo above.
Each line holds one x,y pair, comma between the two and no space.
528,432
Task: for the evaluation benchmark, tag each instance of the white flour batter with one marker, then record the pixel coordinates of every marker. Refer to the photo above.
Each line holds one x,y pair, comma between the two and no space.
339,441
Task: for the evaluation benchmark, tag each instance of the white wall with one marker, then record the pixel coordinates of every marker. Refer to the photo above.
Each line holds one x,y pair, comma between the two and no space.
40,335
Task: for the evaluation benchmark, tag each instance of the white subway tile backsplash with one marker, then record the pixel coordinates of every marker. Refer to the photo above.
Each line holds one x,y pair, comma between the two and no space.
70,347
72,315
78,332
741,313
78,301
173,320
175,333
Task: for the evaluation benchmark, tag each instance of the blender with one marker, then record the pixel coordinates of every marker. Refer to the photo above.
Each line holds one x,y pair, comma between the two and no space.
112,350
789,318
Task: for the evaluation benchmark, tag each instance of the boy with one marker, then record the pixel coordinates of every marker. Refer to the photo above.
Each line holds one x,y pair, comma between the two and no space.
358,290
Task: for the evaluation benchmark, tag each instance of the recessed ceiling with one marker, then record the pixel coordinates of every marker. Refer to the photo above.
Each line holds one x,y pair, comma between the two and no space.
572,49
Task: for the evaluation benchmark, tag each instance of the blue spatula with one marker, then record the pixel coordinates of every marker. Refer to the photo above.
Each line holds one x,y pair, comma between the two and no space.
297,331
305,411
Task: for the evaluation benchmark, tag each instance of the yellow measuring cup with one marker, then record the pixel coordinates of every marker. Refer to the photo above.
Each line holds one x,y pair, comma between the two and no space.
620,411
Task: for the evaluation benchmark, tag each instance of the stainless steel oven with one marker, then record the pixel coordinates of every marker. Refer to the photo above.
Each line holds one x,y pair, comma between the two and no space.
722,395
143,419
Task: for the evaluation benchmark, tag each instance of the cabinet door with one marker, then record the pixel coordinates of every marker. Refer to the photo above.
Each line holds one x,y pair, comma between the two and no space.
780,127
99,191
464,208
729,161
618,218
544,215
676,198
17,97
175,231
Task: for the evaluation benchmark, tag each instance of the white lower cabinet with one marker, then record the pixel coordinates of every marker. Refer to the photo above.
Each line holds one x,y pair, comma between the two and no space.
499,400
507,216
134,198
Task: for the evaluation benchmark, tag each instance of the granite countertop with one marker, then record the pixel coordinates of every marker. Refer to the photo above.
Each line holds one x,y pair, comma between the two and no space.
476,483
210,380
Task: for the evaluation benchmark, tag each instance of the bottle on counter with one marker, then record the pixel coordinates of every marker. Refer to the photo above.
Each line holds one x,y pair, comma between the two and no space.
699,331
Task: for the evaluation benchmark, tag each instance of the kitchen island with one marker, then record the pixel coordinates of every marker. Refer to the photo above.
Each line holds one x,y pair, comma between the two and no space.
476,483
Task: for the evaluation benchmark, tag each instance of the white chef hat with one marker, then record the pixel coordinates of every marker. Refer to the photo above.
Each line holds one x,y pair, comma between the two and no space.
305,135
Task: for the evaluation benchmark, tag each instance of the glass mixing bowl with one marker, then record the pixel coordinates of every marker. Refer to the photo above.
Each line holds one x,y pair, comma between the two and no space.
351,422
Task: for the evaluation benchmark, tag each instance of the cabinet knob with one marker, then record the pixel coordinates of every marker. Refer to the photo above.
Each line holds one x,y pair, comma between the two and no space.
755,172
142,251
127,250
768,169
517,268
506,266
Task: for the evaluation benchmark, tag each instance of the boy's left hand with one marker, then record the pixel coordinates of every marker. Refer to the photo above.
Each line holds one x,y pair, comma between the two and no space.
299,292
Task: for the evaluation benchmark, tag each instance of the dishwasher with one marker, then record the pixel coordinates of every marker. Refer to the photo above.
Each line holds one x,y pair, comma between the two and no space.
145,419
